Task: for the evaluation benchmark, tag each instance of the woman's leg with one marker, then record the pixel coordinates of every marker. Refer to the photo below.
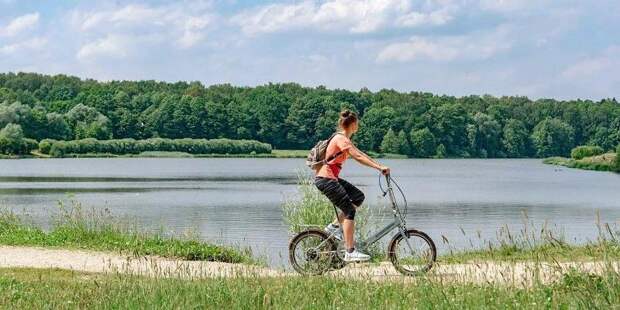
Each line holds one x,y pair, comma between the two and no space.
348,228
337,194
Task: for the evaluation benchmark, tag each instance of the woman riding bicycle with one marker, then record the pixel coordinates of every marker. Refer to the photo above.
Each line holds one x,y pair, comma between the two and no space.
341,193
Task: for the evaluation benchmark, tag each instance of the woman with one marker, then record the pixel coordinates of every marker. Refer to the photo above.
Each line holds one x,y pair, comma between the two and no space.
340,192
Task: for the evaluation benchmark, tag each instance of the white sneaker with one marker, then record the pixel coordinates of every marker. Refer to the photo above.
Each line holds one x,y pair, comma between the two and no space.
356,256
334,230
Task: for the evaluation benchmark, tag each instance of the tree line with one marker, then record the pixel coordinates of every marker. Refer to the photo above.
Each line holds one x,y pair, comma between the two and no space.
290,116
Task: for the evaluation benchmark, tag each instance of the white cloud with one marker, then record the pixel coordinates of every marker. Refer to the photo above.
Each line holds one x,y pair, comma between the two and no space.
31,44
20,24
419,48
353,16
465,47
608,60
511,5
182,25
414,19
110,46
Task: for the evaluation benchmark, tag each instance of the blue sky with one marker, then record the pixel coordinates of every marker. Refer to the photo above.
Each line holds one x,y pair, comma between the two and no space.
562,49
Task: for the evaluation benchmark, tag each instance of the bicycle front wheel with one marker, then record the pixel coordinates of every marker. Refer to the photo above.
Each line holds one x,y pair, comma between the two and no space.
412,254
311,252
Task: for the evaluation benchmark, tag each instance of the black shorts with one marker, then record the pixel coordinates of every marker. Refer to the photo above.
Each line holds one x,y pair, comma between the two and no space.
342,194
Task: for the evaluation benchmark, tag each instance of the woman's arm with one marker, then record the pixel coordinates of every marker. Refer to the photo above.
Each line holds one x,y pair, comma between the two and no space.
366,160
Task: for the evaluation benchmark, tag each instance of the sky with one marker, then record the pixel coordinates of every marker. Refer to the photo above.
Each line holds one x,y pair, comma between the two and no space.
563,49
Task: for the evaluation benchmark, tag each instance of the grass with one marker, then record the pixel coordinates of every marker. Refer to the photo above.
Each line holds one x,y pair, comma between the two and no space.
99,231
38,289
546,252
604,162
535,243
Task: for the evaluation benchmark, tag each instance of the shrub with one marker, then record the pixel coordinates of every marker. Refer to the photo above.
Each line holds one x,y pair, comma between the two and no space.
45,145
131,146
586,151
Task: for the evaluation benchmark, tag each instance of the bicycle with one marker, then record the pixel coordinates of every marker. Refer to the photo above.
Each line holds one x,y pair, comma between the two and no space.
314,251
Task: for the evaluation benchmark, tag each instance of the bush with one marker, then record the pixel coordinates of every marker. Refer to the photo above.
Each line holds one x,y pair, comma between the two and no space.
45,145
131,146
586,151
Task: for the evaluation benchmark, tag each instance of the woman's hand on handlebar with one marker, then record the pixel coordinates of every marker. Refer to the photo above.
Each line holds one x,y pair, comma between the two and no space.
385,170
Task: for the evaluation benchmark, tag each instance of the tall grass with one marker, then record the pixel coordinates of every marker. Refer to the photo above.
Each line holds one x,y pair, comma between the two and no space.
536,243
28,289
73,227
309,208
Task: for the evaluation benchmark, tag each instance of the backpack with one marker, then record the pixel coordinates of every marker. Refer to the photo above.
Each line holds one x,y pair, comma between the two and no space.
316,158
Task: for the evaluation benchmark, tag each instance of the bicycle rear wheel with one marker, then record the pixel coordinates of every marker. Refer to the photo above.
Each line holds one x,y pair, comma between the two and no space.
311,252
413,254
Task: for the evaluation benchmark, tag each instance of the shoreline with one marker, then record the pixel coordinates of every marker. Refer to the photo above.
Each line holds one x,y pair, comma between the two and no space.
604,162
274,154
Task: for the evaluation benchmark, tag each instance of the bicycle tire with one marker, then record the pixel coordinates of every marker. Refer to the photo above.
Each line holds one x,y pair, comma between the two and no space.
327,256
394,257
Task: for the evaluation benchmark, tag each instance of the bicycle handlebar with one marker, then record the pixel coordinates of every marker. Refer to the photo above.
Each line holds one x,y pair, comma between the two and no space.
389,180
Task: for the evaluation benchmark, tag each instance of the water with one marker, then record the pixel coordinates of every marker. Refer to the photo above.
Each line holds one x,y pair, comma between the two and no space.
237,201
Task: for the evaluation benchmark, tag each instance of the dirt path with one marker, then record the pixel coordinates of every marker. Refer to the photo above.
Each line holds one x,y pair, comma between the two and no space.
520,274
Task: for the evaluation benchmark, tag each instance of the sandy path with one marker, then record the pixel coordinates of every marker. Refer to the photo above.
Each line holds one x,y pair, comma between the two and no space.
91,261
520,274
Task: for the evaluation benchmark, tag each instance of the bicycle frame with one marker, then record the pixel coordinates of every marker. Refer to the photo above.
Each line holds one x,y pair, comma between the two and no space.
398,222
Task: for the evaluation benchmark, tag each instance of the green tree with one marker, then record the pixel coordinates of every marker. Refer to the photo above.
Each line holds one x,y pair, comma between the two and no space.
87,122
484,136
553,137
448,123
403,143
13,142
390,143
423,143
19,114
56,127
516,139
374,126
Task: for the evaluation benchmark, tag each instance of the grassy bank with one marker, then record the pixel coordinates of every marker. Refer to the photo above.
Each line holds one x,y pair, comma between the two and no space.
75,228
546,252
27,288
604,162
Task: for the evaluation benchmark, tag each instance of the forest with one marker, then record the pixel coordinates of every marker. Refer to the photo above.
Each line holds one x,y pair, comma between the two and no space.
34,107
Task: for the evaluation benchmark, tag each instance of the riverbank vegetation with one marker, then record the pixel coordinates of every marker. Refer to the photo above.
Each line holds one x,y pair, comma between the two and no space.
292,117
131,146
589,158
75,228
38,289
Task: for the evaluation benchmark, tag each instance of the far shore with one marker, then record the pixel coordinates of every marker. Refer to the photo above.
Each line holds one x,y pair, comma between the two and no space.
273,154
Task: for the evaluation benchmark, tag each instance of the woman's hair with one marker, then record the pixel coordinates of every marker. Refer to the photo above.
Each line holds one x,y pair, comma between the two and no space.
347,118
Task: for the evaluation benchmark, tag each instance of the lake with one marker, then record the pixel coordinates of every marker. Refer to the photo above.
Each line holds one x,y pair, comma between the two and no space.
238,201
